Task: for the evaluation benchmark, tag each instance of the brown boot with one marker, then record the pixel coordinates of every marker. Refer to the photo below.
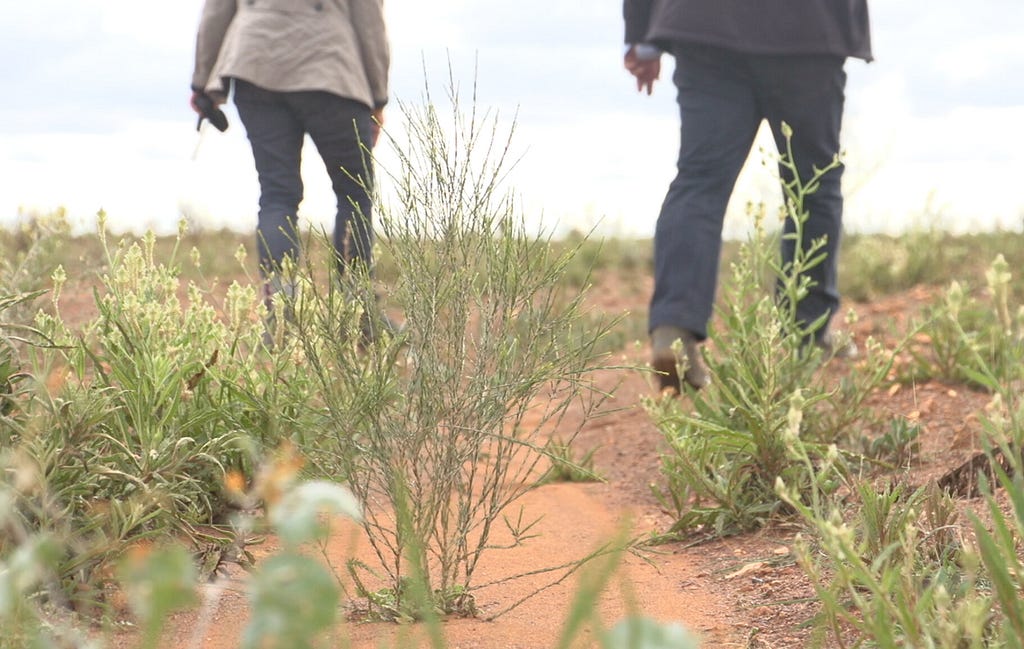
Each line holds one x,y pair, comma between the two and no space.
667,362
842,347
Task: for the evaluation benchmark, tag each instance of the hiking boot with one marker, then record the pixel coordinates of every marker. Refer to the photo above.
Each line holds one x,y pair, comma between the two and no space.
842,347
666,361
372,327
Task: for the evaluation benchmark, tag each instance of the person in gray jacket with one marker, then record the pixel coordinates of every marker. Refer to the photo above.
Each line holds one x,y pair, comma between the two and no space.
737,63
296,67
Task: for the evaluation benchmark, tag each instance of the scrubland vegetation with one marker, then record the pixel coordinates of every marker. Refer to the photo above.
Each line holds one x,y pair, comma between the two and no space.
145,436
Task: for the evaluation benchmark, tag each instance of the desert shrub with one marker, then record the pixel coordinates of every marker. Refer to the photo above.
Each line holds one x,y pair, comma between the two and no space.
124,430
438,427
767,390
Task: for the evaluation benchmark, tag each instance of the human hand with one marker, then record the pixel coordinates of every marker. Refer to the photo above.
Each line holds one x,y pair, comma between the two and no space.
208,108
376,123
646,71
194,101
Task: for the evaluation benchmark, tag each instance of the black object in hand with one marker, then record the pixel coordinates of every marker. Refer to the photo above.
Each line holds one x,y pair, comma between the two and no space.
210,111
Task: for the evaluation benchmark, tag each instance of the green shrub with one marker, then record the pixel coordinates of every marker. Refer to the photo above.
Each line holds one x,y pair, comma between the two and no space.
437,427
767,391
124,430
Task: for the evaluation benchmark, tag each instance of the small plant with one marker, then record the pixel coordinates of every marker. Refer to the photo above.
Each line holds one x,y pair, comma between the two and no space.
974,341
564,468
768,391
901,572
897,446
876,585
27,256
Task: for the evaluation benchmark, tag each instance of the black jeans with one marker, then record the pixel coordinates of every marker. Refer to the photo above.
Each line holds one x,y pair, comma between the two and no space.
276,123
723,97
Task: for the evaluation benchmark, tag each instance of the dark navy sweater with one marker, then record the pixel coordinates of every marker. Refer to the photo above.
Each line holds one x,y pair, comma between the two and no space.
836,27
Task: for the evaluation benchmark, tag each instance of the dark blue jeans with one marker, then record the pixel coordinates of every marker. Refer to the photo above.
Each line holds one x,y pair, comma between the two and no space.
723,97
276,123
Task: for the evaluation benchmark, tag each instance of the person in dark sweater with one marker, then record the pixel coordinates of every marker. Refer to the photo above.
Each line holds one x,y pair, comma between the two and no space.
739,62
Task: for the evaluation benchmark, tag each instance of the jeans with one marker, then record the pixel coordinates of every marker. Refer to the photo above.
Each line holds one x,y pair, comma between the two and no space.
276,124
723,97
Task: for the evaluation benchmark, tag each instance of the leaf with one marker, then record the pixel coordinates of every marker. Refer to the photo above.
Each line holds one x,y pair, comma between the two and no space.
297,515
23,570
158,582
293,599
645,633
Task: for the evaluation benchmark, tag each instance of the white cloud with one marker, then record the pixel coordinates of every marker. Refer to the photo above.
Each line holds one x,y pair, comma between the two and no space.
99,115
155,25
981,57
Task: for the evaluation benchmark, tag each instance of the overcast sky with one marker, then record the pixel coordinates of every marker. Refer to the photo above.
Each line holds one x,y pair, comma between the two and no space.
95,114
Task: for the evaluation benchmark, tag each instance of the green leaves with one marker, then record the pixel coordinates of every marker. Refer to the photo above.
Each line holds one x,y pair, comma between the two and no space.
157,583
439,429
297,517
23,571
293,600
645,633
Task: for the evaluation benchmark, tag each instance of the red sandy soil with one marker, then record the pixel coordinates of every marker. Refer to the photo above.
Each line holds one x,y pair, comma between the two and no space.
744,591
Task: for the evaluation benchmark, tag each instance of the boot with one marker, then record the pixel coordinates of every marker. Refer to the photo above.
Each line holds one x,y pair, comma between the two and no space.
667,362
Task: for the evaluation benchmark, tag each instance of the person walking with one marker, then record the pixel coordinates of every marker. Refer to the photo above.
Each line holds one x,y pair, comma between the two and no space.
297,67
737,63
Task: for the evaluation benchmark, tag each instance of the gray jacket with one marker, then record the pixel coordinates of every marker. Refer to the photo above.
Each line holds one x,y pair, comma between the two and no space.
835,27
339,46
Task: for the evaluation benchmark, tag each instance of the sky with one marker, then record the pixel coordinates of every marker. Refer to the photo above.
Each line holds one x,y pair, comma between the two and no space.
95,116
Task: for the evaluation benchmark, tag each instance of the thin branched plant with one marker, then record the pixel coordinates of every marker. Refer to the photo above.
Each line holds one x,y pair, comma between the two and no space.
440,427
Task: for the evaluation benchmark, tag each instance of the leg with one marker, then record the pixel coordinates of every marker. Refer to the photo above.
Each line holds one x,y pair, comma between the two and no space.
276,138
339,128
719,118
807,92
